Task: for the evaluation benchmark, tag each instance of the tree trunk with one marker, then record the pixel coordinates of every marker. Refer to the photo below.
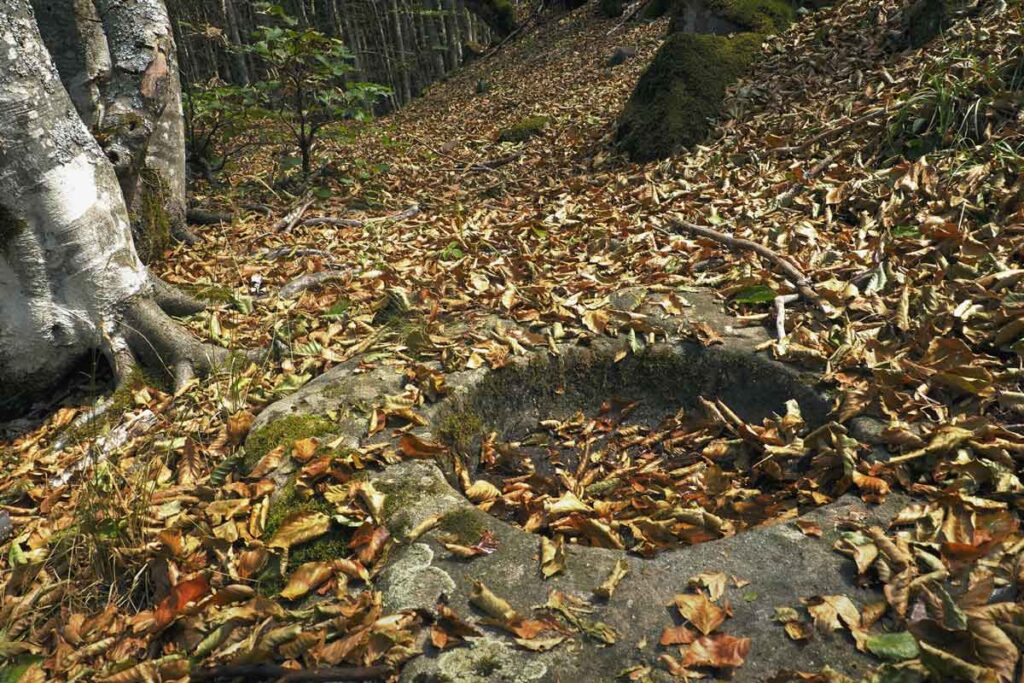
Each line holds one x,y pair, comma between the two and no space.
71,281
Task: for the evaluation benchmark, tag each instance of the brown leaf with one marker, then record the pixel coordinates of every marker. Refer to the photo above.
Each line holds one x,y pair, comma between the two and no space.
238,426
490,604
412,446
307,577
699,611
719,651
677,635
298,528
304,449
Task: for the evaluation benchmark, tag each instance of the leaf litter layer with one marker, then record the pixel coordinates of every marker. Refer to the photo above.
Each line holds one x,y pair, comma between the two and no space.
893,177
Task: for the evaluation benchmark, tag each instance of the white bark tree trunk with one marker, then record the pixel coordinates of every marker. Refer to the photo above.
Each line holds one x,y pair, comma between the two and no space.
71,281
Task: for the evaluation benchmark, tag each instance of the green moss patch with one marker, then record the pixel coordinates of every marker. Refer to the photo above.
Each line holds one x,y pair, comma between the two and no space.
332,545
151,222
610,8
524,130
759,16
465,524
283,432
681,91
460,430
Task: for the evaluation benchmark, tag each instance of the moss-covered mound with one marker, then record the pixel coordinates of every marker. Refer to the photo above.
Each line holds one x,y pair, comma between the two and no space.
524,130
759,16
925,19
283,432
610,8
763,16
331,546
681,90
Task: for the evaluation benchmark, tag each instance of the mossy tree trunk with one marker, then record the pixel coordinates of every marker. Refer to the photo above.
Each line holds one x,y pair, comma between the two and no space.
71,281
499,15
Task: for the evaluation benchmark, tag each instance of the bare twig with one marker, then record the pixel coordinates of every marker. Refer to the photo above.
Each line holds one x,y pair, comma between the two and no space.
831,132
629,17
292,218
275,672
336,222
786,197
801,281
780,313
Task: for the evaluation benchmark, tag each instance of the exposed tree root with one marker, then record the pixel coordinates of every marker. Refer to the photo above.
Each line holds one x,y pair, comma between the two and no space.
148,334
172,300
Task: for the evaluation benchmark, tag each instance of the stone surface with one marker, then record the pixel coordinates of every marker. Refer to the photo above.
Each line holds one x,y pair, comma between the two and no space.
781,564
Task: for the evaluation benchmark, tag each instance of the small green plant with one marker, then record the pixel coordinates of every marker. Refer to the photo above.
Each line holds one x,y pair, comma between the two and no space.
307,87
219,124
524,130
957,104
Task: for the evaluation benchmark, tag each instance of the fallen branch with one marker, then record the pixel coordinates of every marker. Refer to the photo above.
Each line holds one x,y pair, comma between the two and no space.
294,252
492,165
292,218
825,135
275,672
801,281
336,222
310,280
786,197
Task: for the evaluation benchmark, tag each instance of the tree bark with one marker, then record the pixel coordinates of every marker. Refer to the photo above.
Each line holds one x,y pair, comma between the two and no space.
71,281
143,128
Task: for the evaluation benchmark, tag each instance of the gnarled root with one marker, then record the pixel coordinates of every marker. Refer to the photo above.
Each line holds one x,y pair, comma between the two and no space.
172,300
147,334
154,338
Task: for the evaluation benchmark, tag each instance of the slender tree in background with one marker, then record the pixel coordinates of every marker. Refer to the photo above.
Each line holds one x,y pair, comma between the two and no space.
71,280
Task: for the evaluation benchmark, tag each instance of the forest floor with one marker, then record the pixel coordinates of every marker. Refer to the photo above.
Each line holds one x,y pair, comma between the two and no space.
135,541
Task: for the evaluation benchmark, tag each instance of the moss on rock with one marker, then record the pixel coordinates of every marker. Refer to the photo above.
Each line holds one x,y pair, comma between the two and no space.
524,130
460,429
465,524
611,8
283,432
681,90
10,226
332,545
925,19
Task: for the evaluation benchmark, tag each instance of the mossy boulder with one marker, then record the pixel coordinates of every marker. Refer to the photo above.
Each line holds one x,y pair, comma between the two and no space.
499,15
283,432
681,91
524,129
926,19
758,16
610,8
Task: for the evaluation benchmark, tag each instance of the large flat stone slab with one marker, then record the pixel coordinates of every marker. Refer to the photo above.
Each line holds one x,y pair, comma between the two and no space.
781,564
